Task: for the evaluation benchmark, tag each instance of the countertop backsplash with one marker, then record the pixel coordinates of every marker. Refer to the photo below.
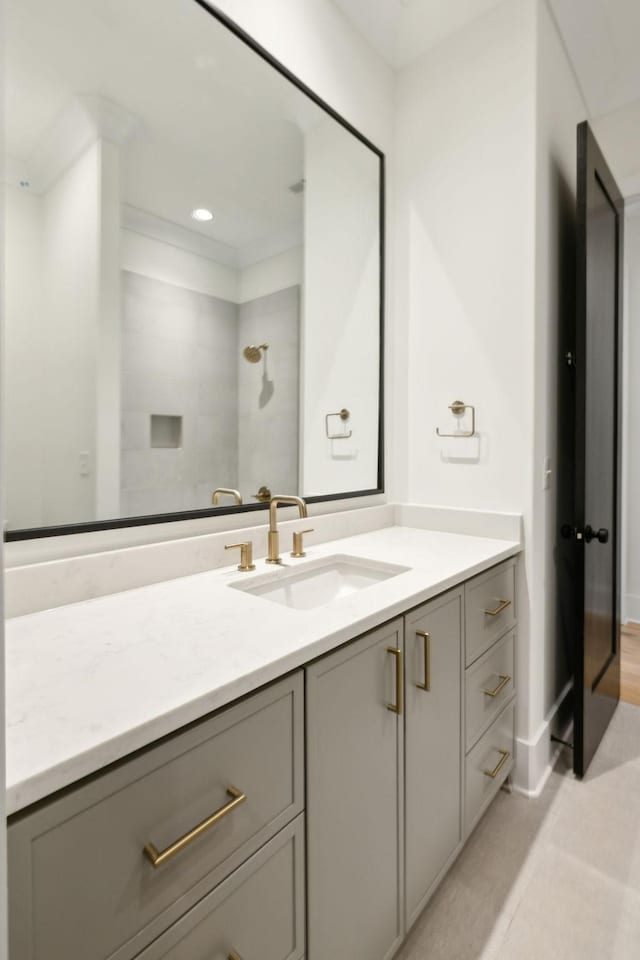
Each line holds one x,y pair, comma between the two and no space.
30,587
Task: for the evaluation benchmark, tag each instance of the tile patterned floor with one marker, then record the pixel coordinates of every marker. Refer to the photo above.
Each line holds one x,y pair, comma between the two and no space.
557,878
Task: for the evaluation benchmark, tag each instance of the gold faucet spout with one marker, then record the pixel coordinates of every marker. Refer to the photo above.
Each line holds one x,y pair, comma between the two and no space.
227,492
292,501
273,555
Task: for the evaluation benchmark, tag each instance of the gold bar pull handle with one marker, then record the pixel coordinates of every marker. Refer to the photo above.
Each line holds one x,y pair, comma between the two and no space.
427,660
504,756
158,857
504,680
397,706
502,605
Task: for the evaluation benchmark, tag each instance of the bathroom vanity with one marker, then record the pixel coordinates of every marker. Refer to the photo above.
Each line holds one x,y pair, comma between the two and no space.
355,746
206,762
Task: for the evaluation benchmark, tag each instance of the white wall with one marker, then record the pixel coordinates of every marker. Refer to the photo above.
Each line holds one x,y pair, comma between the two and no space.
23,344
631,515
340,354
70,276
465,268
465,166
108,372
62,340
267,276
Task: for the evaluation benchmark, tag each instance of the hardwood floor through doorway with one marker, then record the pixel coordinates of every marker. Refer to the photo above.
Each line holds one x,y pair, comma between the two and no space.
630,663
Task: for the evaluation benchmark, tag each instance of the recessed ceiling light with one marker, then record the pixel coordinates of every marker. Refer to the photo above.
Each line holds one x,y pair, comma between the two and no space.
201,214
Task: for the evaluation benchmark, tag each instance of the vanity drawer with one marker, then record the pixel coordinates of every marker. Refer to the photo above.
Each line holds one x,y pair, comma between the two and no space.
81,883
257,912
488,765
489,686
490,608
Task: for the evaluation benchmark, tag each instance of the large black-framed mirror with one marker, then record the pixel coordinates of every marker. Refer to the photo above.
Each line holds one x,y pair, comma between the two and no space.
194,274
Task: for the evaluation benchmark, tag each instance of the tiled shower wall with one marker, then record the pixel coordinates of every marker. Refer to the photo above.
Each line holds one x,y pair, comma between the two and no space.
268,394
178,359
182,357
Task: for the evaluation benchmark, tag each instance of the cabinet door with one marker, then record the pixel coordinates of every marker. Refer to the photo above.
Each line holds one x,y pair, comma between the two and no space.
433,754
355,800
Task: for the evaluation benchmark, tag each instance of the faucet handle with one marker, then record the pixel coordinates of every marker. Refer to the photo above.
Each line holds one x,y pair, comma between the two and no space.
246,554
297,543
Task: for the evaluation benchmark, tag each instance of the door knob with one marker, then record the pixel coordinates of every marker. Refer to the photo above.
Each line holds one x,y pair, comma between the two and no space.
601,535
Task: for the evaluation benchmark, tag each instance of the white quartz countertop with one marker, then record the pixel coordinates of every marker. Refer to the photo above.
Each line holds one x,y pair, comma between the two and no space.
90,682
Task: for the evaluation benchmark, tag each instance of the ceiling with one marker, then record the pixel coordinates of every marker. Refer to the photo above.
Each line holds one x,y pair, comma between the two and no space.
402,30
214,127
601,37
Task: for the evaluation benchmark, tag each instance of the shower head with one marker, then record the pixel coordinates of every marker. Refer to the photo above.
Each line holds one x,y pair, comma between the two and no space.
253,354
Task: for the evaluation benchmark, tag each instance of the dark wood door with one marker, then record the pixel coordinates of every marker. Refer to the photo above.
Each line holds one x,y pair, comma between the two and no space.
597,447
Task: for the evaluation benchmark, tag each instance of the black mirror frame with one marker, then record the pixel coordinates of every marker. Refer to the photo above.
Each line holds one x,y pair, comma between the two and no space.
34,533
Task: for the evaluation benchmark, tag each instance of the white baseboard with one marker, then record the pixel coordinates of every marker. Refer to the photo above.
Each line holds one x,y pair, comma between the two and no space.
535,758
631,608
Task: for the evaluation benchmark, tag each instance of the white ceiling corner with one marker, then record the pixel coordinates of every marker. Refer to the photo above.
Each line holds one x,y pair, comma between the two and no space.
402,30
601,38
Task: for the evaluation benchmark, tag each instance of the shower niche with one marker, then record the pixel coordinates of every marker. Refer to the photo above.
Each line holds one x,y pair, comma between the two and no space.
165,432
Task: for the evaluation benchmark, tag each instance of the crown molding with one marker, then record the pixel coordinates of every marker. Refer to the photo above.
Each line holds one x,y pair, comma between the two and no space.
149,225
83,121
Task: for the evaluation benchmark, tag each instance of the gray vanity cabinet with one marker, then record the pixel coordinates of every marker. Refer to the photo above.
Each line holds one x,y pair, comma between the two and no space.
433,730
194,848
82,884
355,799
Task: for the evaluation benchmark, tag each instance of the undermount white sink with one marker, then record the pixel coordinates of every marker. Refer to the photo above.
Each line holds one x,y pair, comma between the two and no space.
319,582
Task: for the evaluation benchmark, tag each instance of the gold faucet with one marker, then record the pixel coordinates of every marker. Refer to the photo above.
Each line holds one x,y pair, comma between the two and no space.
273,555
225,491
246,554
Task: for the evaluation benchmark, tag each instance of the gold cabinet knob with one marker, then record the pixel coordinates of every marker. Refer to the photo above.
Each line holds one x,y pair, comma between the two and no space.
298,550
246,554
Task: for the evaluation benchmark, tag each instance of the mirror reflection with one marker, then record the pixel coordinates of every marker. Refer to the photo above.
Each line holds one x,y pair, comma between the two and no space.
192,271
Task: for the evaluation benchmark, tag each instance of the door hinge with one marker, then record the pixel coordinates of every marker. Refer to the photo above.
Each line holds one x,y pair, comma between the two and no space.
565,743
570,359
